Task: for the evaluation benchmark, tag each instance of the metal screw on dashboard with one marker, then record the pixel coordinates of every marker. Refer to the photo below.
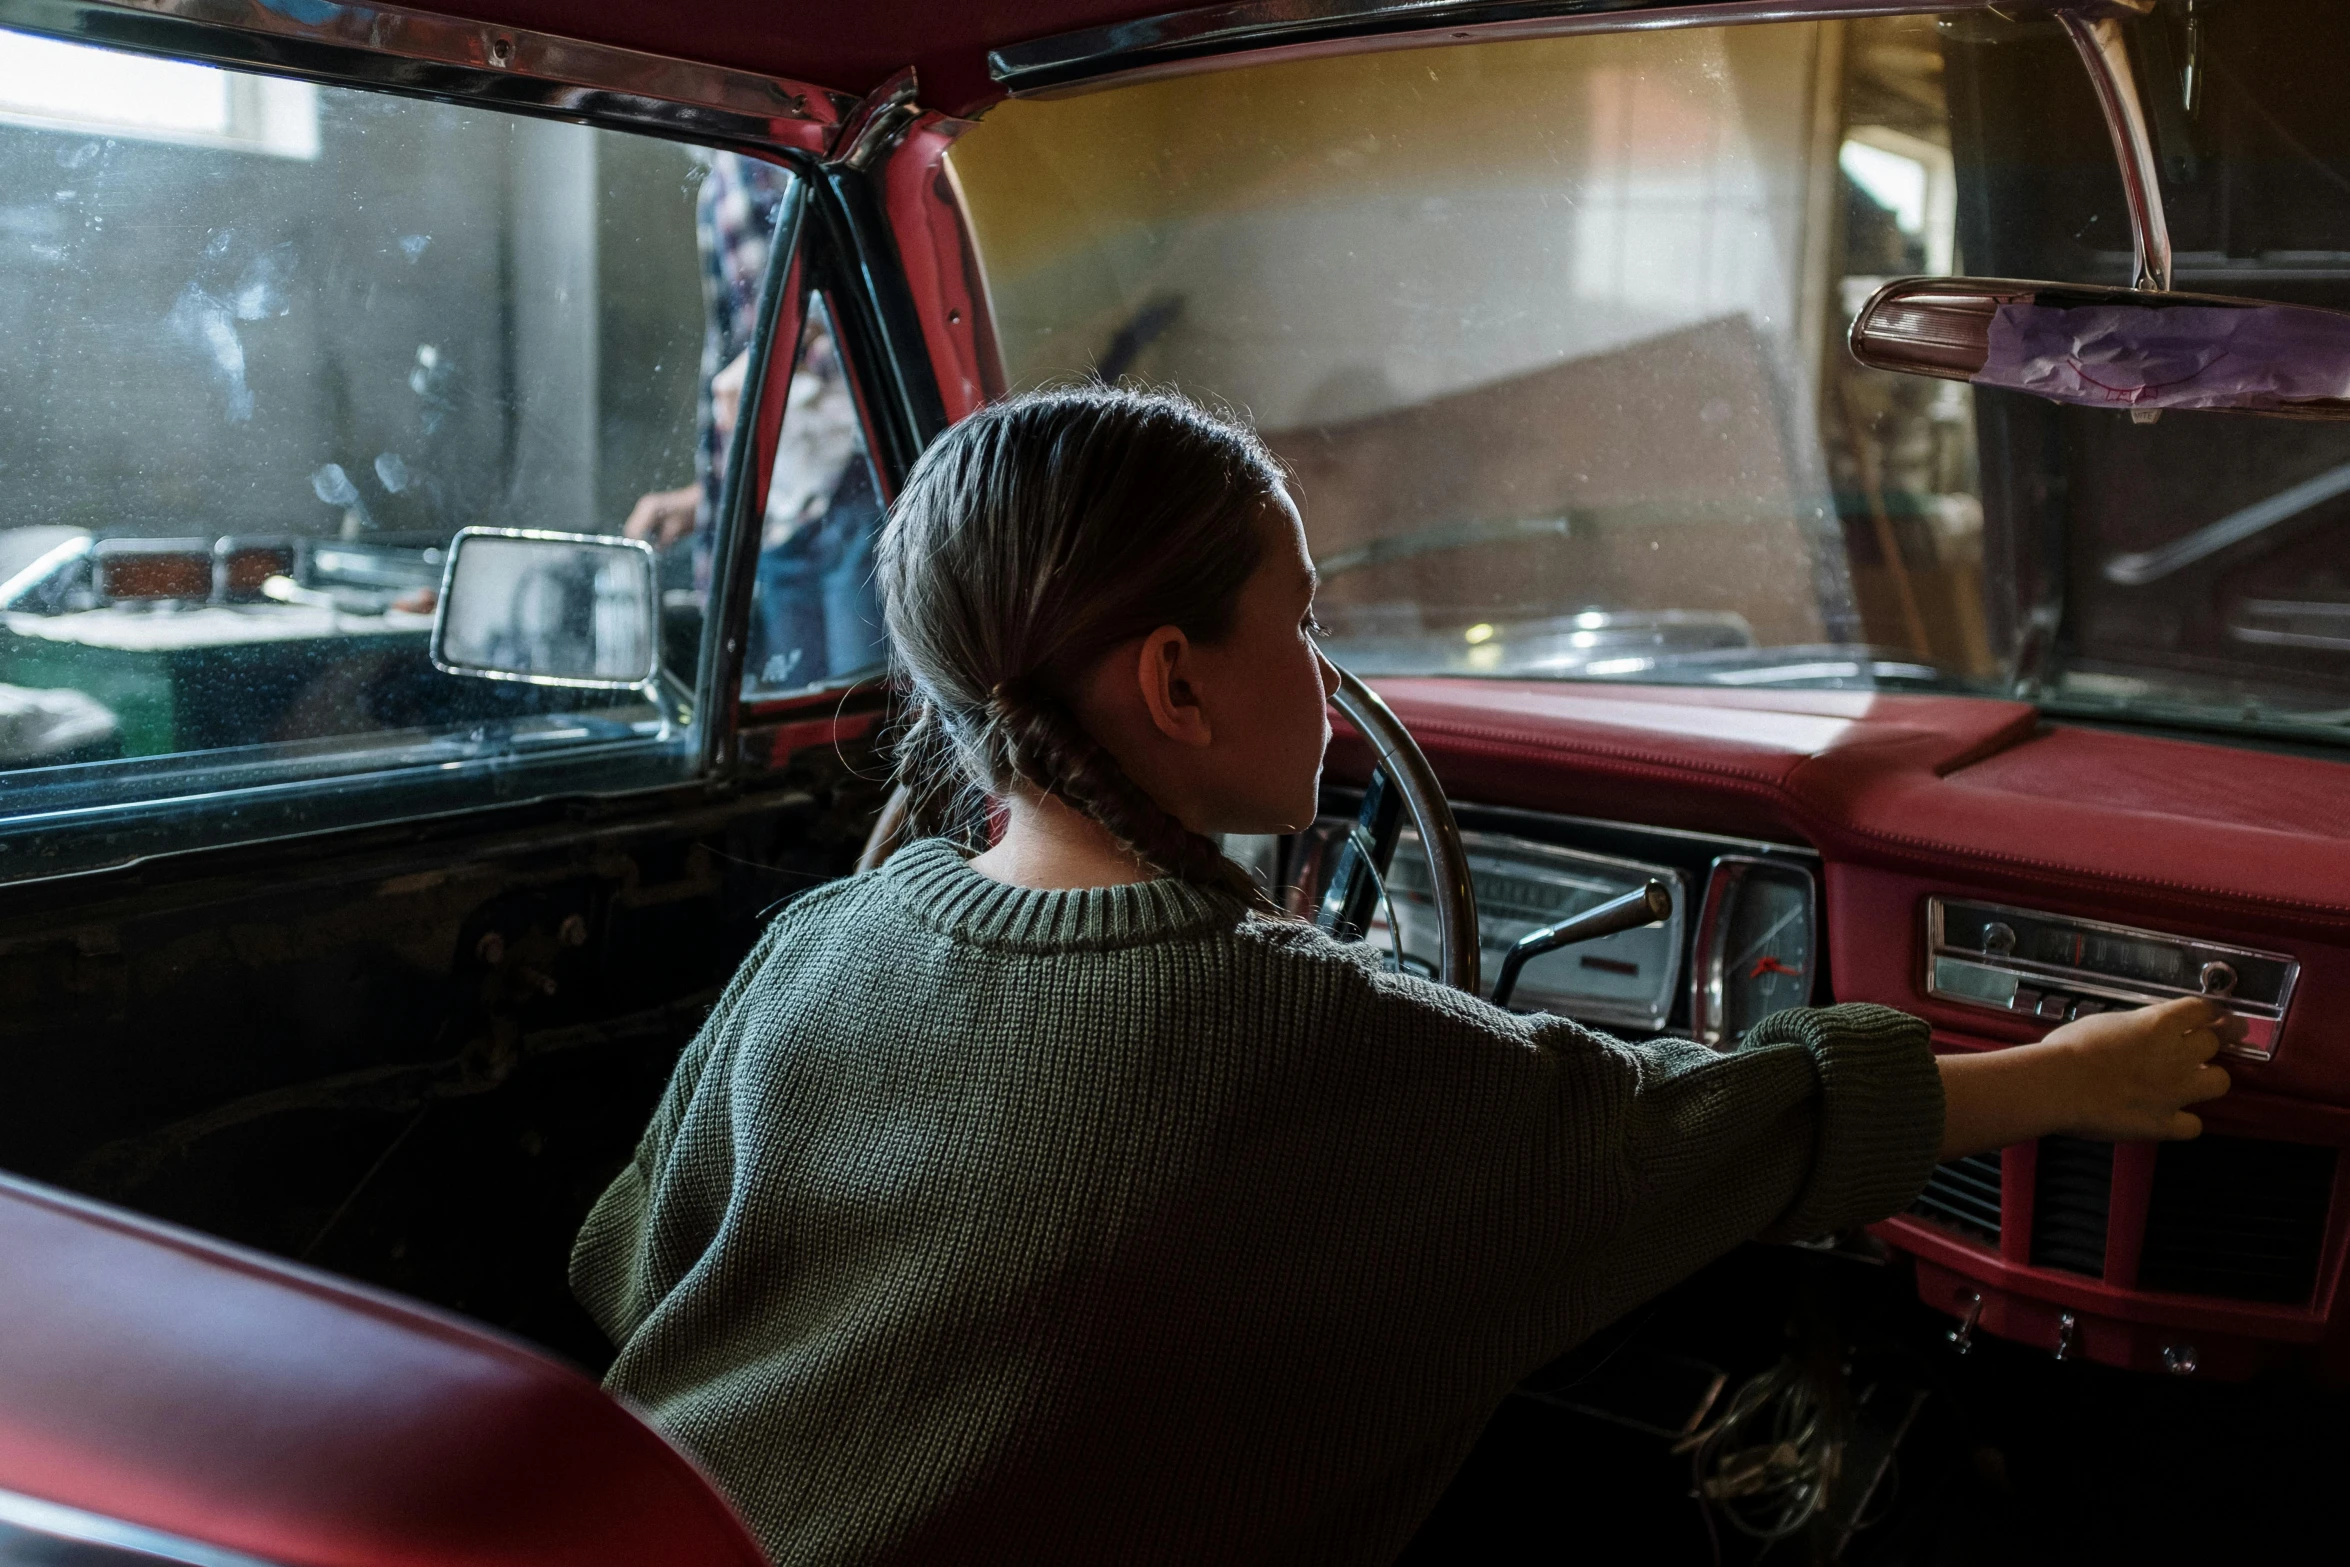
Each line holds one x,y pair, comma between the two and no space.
501,52
1962,1337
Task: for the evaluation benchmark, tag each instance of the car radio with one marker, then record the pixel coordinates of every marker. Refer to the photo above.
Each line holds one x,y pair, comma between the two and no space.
2055,968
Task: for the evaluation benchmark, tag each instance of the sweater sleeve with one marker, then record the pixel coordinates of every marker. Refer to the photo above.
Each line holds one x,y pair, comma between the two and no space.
613,1272
1580,1174
1879,1117
1825,1118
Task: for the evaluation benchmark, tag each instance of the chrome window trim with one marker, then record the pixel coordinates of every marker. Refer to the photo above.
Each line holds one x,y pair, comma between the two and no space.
1205,38
401,788
421,54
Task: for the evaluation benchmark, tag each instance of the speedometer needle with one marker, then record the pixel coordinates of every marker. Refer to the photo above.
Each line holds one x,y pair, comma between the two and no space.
1771,965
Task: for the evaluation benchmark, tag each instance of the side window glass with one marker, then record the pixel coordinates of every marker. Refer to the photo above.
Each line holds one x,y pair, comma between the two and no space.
815,615
269,347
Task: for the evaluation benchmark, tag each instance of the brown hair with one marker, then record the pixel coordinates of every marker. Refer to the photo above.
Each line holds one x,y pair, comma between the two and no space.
1030,540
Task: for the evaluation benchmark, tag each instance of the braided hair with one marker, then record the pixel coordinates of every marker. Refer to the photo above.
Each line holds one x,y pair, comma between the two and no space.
1029,541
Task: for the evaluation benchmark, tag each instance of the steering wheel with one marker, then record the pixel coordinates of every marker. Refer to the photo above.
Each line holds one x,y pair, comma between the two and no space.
1401,781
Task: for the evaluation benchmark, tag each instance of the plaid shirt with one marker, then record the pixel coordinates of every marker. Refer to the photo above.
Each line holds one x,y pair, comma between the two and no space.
734,218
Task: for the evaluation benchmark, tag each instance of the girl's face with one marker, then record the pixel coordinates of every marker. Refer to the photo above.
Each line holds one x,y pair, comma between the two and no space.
1228,736
1264,691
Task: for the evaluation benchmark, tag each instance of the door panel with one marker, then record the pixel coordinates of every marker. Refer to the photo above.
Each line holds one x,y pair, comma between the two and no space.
332,953
415,1057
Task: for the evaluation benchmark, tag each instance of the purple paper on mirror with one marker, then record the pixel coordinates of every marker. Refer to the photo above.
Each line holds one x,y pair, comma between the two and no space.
2176,356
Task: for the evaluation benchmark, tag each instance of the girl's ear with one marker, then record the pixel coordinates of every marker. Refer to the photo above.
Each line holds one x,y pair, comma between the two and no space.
1165,667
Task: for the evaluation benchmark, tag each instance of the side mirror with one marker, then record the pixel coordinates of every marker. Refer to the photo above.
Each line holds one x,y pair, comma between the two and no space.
548,609
2137,349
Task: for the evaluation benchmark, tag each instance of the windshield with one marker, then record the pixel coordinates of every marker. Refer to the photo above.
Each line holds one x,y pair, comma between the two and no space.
1551,335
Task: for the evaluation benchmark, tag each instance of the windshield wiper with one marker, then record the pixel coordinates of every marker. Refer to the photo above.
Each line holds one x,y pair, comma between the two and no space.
2141,567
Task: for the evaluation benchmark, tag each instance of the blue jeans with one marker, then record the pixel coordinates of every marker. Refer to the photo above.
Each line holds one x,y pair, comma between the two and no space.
815,615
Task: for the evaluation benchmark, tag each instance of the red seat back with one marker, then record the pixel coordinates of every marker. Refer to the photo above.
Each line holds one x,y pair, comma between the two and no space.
174,1382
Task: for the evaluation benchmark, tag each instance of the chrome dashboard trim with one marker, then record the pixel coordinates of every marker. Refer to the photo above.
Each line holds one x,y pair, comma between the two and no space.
419,53
1708,987
1996,981
1754,846
1181,42
1533,852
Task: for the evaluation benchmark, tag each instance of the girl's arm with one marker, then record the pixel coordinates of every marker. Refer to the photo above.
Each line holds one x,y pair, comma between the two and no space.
2118,1077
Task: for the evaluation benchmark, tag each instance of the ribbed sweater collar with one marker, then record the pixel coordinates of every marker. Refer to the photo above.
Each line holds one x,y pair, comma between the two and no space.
936,884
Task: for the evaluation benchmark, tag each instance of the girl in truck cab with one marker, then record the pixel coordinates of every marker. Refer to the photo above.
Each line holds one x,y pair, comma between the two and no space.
1068,1202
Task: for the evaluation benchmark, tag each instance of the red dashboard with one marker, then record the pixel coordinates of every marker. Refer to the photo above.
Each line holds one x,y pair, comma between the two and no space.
1912,797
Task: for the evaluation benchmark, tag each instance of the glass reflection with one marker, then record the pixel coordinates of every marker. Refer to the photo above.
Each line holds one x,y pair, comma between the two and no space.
549,611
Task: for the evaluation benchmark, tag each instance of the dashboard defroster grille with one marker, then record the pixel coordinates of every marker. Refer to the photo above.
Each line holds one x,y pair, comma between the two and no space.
1964,1194
2238,1217
2070,1201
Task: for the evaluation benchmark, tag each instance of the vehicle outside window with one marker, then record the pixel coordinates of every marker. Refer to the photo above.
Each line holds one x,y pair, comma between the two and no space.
262,367
1551,333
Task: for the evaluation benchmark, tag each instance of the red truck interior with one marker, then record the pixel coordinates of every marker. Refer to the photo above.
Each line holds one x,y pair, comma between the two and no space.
206,1391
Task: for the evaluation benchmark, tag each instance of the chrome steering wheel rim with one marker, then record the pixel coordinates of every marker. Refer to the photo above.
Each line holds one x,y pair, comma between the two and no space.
1455,896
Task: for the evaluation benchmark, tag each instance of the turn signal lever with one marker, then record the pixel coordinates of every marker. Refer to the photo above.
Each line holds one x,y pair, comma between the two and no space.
1645,906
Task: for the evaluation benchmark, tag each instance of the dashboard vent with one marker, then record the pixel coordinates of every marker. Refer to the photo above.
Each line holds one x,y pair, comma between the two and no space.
2070,1201
1964,1194
2237,1217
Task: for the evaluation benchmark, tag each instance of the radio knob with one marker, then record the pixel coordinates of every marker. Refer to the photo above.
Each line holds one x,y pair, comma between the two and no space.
2219,979
1998,939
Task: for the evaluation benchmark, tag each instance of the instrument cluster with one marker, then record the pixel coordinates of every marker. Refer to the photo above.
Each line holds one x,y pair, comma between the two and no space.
1744,939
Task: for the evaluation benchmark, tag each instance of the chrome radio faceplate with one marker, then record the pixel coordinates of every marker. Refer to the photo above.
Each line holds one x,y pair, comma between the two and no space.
2054,968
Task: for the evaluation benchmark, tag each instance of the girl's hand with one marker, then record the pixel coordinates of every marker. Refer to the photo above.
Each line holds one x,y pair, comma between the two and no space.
2134,1073
2116,1076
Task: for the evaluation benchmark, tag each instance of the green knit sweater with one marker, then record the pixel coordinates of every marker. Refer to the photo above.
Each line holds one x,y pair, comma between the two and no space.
983,1224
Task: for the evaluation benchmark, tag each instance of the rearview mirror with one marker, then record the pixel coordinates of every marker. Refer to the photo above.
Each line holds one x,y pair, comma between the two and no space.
2138,349
548,609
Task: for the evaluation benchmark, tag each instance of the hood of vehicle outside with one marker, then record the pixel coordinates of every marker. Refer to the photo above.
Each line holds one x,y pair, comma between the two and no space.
1670,646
